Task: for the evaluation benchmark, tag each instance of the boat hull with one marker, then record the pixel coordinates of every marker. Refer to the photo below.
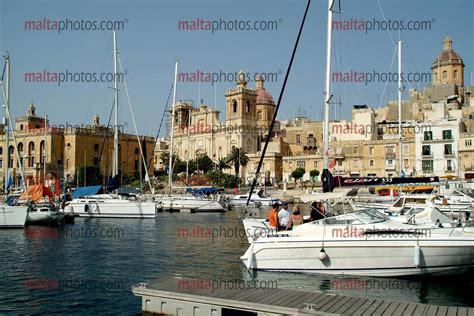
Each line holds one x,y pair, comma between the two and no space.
194,205
382,258
12,216
112,208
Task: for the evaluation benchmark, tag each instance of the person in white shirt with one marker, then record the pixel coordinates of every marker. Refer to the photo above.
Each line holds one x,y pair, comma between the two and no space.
284,217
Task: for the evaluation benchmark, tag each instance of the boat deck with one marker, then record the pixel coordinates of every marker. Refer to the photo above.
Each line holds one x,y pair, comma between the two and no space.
179,296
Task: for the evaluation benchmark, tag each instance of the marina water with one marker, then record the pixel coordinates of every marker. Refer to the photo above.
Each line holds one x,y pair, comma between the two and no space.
91,266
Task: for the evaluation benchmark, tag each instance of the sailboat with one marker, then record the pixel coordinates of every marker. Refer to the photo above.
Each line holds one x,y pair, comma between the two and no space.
364,242
88,203
10,216
192,203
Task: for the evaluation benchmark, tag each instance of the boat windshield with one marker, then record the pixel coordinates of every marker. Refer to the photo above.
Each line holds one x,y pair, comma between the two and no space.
363,217
469,192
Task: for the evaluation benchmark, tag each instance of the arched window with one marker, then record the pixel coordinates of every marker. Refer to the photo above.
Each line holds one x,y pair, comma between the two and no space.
11,152
1,150
21,127
96,147
31,154
445,74
455,74
136,151
234,106
42,151
247,107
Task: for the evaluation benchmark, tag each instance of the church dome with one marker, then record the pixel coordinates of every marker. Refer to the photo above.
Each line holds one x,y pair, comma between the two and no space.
447,56
263,96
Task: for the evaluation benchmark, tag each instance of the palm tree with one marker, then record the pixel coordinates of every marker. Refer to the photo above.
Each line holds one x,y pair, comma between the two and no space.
238,157
222,163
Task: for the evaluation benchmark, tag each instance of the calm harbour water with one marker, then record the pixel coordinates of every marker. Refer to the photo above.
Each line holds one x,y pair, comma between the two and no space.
84,268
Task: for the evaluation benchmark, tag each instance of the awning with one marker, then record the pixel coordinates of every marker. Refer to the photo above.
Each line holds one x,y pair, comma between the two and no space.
85,191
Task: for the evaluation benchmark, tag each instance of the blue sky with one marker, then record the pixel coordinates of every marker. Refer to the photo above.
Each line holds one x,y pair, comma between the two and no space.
151,41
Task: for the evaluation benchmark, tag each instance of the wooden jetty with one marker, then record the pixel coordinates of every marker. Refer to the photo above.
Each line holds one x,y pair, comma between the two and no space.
180,296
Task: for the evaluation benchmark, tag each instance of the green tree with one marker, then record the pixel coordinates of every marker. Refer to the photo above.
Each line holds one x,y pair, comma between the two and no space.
298,173
204,163
238,157
313,174
222,164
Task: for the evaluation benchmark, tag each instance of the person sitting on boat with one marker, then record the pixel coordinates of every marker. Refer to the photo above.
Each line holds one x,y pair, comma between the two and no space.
284,217
273,216
296,217
317,211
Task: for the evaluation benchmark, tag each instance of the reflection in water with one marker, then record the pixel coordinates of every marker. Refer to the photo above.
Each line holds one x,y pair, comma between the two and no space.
77,268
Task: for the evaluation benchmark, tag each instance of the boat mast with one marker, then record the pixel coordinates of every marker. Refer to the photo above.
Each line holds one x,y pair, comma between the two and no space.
170,172
115,163
189,141
327,97
5,121
44,154
400,89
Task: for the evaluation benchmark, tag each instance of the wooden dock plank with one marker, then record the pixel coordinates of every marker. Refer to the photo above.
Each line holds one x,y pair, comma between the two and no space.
347,305
356,306
372,308
336,307
431,310
305,298
361,310
334,302
383,307
400,310
442,311
420,310
324,300
391,308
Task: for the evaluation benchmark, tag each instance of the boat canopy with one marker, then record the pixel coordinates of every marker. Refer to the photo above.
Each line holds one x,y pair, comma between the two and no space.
85,191
36,193
204,190
309,198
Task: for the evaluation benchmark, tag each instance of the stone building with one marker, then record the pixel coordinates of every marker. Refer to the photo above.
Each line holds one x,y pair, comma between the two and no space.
67,148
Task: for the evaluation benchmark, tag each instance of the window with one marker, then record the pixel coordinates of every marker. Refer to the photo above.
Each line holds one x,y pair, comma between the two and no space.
371,163
447,134
269,115
445,74
136,151
389,162
1,163
372,175
298,138
31,154
315,164
356,150
259,115
300,164
427,166
455,74
339,163
428,135
389,150
406,149
449,165
1,150
405,163
199,143
247,107
21,127
426,150
234,106
371,150
448,149
311,140
68,146
467,143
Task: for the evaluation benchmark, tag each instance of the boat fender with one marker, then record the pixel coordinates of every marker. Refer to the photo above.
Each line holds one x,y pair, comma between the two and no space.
417,255
322,255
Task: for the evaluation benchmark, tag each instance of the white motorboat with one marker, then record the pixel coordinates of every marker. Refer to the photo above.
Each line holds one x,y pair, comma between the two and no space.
257,197
12,216
359,243
111,205
191,203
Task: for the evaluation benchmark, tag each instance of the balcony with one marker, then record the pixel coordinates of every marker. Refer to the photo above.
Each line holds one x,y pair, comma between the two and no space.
390,167
390,155
427,155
